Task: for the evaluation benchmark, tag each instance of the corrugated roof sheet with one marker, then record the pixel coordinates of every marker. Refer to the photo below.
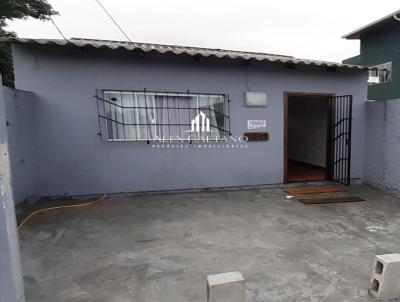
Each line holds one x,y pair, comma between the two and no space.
184,50
385,20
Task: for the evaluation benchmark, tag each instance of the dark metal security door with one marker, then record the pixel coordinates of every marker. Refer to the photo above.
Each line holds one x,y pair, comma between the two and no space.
340,138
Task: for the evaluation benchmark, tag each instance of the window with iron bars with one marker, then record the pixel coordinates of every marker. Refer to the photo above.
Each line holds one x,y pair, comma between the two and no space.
155,116
380,74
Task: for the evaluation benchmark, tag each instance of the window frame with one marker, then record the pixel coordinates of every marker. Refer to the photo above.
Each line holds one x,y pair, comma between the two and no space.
376,68
104,120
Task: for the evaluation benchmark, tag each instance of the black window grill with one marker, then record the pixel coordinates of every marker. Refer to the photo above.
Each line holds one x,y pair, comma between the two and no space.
162,116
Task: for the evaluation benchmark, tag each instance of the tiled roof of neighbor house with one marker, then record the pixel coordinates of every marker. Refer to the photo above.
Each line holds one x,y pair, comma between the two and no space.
382,21
184,50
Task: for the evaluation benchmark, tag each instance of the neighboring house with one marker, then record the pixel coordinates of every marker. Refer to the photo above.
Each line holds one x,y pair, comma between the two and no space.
101,107
380,48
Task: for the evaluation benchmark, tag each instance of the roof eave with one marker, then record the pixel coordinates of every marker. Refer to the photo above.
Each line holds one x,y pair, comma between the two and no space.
354,35
145,47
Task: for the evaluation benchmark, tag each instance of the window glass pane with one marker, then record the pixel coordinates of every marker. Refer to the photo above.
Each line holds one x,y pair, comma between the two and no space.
127,99
204,101
113,113
129,115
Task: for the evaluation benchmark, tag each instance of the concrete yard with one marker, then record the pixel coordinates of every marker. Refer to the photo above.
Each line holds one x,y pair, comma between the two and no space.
150,248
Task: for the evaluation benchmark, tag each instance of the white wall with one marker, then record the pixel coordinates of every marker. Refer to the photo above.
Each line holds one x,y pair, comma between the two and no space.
382,152
11,284
22,136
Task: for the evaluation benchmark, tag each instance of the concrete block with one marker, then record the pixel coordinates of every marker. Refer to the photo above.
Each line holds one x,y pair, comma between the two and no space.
385,281
226,287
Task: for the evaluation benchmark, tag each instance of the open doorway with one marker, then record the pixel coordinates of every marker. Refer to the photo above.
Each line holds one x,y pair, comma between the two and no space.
307,130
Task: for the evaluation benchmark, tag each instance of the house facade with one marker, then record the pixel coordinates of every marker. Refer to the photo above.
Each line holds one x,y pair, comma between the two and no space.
379,48
103,108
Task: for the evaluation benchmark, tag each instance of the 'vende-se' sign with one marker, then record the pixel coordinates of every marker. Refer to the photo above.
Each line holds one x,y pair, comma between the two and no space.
256,124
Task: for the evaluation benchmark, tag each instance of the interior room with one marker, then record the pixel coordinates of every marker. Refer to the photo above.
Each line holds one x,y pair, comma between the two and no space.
307,138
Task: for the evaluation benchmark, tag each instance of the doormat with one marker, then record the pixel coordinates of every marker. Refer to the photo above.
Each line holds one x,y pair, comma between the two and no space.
331,200
313,190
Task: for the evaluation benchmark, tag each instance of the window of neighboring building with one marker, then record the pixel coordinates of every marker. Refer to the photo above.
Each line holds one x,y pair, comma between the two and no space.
145,116
380,74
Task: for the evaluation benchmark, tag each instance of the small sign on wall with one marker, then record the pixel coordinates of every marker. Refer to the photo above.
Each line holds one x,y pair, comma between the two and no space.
256,99
256,124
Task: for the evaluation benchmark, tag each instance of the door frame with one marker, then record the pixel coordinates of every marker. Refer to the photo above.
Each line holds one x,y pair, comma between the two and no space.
286,95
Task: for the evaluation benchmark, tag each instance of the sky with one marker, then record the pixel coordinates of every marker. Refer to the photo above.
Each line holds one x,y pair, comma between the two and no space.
309,29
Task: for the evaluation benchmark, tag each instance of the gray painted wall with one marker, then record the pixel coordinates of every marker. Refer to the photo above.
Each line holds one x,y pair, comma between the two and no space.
308,123
11,285
20,114
71,158
382,153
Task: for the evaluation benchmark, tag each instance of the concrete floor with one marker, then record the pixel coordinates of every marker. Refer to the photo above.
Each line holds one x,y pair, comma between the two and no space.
161,247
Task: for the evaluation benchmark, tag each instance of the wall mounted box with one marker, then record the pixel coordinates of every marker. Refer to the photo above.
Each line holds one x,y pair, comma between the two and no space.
226,287
385,281
256,99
